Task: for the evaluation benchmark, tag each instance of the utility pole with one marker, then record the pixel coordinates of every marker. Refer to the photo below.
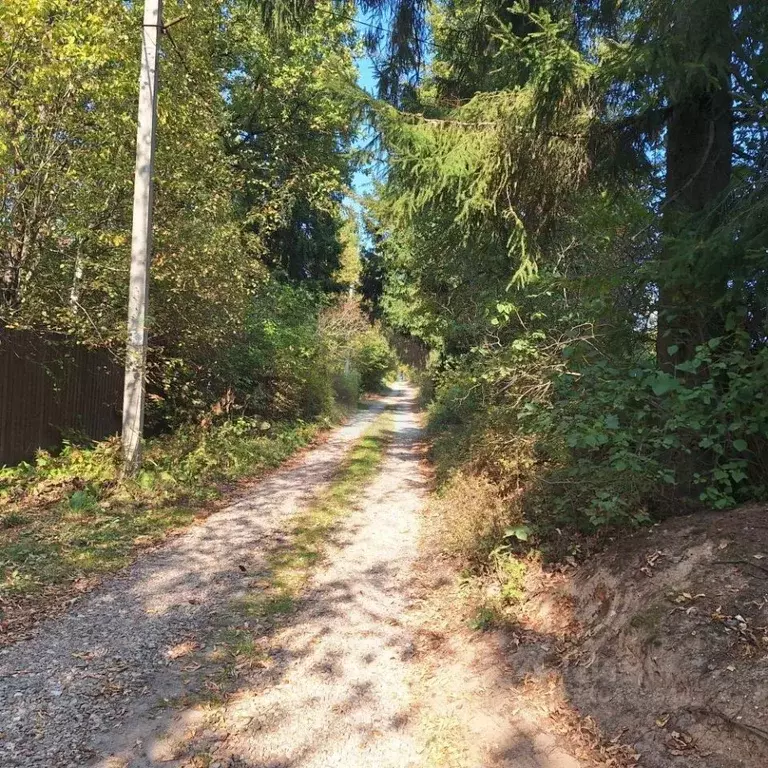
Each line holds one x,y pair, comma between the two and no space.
141,241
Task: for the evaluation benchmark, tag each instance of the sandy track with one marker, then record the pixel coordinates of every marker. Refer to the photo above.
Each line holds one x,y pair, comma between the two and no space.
341,694
347,683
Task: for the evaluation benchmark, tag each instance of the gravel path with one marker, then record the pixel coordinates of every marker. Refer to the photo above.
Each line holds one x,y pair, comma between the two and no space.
341,696
96,671
346,680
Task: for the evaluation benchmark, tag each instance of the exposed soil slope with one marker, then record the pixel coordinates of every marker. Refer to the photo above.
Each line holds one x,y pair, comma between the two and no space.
675,653
663,639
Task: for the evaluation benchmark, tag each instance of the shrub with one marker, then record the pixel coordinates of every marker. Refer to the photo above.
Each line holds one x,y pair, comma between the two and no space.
600,441
457,401
346,387
373,359
278,366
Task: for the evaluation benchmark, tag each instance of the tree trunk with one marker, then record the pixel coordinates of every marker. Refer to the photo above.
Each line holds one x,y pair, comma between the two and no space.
698,169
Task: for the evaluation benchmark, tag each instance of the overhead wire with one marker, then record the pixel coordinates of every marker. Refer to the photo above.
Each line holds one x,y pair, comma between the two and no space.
379,28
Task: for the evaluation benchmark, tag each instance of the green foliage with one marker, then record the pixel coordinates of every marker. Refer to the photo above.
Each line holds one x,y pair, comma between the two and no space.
358,353
601,442
485,618
54,534
346,387
491,177
651,437
293,116
81,501
254,133
593,298
68,132
373,359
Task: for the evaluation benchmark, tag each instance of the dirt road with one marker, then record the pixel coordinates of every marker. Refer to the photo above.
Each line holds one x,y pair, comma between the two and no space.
122,680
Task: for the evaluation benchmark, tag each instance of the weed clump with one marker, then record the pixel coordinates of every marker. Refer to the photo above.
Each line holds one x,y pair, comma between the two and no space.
67,517
472,516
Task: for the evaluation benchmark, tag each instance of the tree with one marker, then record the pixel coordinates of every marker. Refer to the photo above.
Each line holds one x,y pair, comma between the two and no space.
294,113
574,221
253,157
691,47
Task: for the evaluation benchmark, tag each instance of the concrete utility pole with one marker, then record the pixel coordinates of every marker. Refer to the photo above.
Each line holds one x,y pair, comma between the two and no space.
141,241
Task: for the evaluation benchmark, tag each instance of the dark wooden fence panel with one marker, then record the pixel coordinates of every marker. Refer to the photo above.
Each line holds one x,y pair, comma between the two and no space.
50,387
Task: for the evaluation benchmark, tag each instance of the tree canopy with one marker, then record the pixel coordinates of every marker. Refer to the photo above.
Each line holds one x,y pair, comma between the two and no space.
573,222
255,154
571,219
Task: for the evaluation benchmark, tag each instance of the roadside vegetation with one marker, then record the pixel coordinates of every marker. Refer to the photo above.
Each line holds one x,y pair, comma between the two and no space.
567,246
256,256
573,226
68,518
586,276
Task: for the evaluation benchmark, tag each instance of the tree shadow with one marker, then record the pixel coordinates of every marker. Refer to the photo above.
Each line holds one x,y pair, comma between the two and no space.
325,685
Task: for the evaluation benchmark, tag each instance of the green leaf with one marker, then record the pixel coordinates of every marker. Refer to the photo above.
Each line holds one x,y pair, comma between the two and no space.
740,445
520,532
689,366
664,383
81,500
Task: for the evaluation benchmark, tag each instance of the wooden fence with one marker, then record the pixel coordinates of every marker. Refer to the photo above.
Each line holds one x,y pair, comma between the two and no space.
49,388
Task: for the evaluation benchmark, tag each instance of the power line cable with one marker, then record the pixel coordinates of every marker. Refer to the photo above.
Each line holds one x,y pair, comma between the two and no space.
377,27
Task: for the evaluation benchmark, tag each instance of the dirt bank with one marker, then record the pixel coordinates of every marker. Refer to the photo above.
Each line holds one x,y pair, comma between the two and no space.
662,639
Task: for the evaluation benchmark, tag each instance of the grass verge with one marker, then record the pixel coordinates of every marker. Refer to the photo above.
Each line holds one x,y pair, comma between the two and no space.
66,520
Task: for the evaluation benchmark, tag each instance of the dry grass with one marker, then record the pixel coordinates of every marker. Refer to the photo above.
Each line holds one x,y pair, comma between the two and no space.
472,518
